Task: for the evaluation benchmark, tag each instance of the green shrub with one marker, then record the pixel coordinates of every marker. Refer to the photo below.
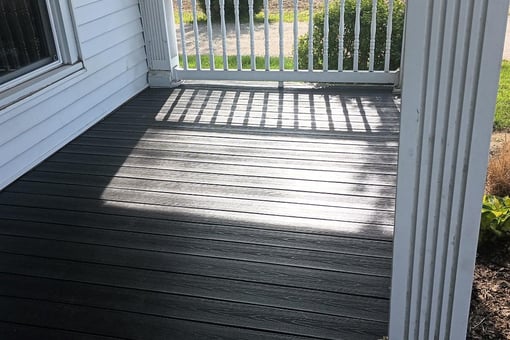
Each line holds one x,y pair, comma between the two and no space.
495,222
229,9
365,27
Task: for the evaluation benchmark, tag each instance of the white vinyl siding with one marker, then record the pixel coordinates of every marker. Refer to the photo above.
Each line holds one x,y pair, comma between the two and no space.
115,69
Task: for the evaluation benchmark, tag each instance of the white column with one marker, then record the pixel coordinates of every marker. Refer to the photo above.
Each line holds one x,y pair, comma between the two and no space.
160,42
452,60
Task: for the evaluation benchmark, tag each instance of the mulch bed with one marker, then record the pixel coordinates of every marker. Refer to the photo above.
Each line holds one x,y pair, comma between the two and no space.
489,316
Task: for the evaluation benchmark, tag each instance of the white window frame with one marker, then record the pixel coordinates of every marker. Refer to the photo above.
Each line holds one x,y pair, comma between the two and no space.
67,48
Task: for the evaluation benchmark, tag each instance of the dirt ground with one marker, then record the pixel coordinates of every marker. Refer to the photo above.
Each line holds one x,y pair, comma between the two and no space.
497,140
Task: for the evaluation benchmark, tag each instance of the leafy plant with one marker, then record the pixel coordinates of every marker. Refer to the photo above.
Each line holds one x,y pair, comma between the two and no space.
229,9
495,221
349,29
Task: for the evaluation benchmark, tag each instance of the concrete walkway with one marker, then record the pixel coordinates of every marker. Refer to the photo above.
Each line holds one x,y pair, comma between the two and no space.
259,39
506,52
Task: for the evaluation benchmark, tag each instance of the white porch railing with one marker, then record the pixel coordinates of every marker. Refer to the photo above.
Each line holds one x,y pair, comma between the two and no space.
236,47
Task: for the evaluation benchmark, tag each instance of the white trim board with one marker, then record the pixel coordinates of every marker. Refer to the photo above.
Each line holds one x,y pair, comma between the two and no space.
451,71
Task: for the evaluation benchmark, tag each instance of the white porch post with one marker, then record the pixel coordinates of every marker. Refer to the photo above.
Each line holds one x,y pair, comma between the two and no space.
160,42
452,62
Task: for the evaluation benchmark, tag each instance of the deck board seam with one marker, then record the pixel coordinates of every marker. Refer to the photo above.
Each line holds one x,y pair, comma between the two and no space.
328,233
375,209
367,164
262,330
238,175
190,160
198,238
304,136
194,255
83,141
63,329
196,296
103,126
233,226
197,275
381,136
90,135
317,219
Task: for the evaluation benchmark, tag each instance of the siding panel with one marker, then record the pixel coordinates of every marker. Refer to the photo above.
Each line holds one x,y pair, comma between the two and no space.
100,9
115,70
93,47
61,118
16,127
45,148
109,23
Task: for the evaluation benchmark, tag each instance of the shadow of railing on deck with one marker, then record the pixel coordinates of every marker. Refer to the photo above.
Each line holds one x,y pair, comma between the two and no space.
272,109
369,120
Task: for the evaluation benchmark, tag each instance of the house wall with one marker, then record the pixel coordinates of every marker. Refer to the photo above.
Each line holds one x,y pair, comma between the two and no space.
111,42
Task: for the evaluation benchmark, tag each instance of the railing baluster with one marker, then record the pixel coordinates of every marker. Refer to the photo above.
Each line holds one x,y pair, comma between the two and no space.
209,33
341,35
373,28
325,61
252,35
280,30
223,34
183,38
197,40
296,56
388,37
266,34
310,36
356,35
238,35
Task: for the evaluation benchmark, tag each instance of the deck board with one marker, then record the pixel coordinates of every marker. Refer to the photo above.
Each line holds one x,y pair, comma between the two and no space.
268,236
231,149
194,285
204,213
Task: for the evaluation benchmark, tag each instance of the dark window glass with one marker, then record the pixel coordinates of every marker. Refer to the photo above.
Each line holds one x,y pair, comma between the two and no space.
26,40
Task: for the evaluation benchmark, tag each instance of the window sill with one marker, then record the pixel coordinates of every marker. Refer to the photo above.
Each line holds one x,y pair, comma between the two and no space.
30,87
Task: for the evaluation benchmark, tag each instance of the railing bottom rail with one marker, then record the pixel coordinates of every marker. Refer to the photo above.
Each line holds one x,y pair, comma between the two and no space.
349,77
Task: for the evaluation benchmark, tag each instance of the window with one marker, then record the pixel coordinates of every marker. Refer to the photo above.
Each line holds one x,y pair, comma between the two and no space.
37,45
26,38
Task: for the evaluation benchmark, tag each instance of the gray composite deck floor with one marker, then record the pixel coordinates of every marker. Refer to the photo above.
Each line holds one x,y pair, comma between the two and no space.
208,213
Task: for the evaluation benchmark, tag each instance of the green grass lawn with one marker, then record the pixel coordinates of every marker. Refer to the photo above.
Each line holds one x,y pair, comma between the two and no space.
187,17
502,115
288,16
274,62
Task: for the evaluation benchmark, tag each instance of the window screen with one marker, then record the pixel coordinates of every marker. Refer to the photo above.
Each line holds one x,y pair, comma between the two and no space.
26,39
